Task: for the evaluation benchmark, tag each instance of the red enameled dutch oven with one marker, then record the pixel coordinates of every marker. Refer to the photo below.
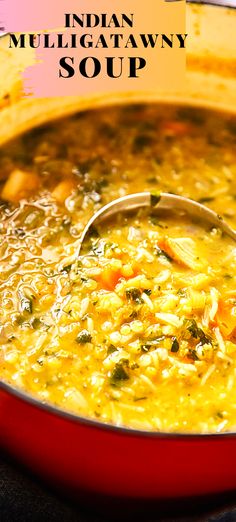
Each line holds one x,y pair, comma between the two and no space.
71,452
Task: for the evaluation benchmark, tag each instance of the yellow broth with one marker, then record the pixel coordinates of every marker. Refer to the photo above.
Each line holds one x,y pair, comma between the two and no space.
140,330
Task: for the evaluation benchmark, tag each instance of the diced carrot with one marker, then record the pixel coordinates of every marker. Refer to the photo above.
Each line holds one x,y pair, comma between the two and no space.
226,318
110,275
109,278
63,190
176,128
19,185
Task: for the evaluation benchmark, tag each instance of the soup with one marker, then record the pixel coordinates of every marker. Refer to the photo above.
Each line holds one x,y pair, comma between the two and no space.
140,329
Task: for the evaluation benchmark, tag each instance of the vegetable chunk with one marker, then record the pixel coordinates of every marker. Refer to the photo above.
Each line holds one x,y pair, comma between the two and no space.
184,251
19,185
63,190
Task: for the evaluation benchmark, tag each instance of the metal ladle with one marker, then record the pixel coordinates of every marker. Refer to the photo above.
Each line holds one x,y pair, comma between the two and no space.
164,201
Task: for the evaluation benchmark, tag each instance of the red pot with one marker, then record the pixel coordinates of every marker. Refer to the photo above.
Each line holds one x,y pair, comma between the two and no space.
78,454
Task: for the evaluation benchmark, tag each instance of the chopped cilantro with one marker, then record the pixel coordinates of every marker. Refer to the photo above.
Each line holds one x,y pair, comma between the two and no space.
175,345
154,198
134,294
155,221
198,333
84,337
193,355
119,373
111,349
147,291
141,141
67,268
36,323
207,199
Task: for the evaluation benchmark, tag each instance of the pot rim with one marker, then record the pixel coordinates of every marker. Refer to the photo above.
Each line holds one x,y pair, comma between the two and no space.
215,3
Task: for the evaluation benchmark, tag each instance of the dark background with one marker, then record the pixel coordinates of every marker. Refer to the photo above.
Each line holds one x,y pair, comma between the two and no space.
23,498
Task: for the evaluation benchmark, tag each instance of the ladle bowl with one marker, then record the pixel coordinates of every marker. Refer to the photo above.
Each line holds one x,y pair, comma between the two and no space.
157,202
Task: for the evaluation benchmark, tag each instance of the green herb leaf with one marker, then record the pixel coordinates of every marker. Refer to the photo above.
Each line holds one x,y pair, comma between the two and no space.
155,221
198,333
175,345
147,291
36,323
84,337
154,198
207,199
111,349
193,355
67,269
119,374
141,141
134,294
